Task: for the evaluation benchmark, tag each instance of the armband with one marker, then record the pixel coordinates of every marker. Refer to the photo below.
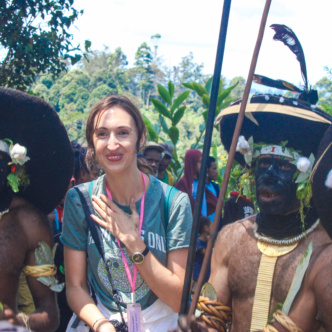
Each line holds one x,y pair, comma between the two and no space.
214,313
286,322
45,268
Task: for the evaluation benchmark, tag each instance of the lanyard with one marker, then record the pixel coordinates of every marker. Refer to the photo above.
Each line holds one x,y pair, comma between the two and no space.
132,280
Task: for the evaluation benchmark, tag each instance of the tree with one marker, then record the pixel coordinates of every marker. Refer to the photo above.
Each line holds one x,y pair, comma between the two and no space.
34,39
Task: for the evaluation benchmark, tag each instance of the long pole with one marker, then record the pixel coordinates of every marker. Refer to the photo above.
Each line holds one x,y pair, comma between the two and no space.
230,159
206,152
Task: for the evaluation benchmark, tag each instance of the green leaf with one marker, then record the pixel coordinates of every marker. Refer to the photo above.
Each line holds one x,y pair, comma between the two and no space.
161,108
163,124
206,100
208,85
202,127
205,114
224,94
87,45
179,100
152,135
178,115
188,85
164,94
171,88
173,134
201,91
302,177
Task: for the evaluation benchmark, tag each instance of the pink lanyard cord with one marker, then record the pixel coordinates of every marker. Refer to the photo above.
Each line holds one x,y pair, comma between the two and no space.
131,280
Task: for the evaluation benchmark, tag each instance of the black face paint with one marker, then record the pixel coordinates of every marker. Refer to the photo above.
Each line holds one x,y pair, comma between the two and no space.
275,188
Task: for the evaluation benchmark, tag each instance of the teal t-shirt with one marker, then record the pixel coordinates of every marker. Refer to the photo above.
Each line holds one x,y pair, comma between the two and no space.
76,235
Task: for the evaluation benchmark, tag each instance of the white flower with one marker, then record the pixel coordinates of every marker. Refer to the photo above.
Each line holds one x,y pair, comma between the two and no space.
243,146
328,182
18,153
303,164
281,99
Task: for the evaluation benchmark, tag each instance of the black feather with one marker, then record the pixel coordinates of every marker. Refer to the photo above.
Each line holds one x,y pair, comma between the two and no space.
288,37
278,84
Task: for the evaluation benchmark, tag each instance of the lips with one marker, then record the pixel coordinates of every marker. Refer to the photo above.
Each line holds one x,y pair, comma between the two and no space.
114,157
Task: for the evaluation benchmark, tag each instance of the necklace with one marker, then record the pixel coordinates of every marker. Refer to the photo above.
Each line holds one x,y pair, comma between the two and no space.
3,212
284,241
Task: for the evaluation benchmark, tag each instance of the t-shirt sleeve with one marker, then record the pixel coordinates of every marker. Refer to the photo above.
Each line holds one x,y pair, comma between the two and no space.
74,228
179,224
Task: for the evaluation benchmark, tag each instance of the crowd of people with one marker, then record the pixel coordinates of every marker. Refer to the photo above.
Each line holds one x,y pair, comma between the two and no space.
122,223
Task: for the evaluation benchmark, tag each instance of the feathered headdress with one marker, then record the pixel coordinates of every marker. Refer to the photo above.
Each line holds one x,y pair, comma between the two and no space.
288,37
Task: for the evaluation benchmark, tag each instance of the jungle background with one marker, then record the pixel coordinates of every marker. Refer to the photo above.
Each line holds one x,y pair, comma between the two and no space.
37,55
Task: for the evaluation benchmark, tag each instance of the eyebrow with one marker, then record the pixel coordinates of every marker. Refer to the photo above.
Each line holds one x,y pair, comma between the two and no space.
120,127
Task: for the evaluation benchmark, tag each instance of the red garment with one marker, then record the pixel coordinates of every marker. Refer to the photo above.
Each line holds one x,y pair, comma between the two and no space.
236,194
59,209
185,184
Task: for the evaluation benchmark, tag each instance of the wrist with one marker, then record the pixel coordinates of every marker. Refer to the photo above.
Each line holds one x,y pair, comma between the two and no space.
96,326
134,244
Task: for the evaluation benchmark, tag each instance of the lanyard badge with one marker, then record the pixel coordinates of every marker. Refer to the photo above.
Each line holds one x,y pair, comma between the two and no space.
134,311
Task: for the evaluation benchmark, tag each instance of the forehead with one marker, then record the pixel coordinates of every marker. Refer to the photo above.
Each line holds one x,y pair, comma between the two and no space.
273,156
114,116
152,153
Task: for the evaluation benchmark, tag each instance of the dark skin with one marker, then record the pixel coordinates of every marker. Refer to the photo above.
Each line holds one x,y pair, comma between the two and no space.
164,163
153,158
236,259
21,229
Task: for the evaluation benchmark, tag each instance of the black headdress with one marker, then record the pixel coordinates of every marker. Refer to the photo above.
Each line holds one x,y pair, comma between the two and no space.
272,119
33,123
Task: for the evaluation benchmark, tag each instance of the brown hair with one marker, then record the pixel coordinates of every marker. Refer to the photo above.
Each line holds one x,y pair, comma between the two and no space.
98,110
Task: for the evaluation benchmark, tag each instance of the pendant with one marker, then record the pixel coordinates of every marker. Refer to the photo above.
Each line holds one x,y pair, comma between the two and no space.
275,250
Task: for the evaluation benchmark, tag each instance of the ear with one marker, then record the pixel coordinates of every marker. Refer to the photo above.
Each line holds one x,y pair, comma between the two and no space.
142,140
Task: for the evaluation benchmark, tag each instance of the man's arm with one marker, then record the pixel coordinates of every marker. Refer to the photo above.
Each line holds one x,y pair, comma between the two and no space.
37,229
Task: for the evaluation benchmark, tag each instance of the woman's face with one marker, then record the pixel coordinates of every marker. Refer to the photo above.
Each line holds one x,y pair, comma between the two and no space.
115,137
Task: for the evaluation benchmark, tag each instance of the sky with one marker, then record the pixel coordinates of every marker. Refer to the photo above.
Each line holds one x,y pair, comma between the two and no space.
193,26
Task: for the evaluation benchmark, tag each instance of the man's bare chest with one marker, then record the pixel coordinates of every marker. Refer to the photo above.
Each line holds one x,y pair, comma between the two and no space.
243,272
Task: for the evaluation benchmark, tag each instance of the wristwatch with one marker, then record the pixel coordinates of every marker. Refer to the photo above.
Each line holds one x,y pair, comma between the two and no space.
138,257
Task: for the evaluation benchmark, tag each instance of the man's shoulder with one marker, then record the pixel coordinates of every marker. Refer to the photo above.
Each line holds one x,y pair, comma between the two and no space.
32,221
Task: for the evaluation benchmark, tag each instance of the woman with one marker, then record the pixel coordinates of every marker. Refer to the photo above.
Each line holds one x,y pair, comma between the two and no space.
115,132
189,183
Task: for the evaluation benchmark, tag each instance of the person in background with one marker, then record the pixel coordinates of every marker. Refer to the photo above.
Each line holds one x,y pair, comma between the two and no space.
211,176
189,183
237,207
152,153
165,175
82,173
204,234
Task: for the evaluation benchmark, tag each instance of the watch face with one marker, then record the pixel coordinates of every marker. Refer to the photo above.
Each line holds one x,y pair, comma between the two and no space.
137,258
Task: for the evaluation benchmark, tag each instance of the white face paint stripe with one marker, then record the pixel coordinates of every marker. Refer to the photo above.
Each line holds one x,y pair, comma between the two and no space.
4,147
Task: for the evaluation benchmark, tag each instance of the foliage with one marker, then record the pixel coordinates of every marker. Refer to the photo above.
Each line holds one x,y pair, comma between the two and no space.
172,115
35,39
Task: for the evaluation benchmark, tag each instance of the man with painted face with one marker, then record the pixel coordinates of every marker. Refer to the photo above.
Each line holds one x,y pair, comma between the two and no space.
256,283
32,182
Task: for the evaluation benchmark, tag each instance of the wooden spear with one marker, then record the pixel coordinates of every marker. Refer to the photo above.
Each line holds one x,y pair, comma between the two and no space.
230,159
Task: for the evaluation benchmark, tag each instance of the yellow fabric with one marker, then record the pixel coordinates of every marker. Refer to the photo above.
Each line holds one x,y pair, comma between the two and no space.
25,302
40,270
170,178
